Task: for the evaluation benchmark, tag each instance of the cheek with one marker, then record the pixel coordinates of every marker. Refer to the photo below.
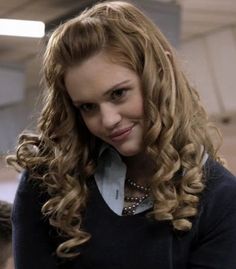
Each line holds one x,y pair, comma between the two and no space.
92,125
138,109
141,108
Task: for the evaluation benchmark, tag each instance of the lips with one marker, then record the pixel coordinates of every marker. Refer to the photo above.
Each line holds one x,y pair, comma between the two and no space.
121,134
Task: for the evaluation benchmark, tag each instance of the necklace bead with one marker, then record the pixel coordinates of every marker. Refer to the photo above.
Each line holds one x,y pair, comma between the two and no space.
137,186
135,201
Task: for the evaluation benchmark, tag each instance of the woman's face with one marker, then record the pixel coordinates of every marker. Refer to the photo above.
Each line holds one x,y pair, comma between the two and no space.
110,101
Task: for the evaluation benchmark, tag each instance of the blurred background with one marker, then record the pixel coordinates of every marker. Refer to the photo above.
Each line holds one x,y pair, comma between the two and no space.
203,33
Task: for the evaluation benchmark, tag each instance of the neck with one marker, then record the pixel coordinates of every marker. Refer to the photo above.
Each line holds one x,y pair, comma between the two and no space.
140,168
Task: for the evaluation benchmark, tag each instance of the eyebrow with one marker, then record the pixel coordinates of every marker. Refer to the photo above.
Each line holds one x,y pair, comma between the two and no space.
115,87
106,92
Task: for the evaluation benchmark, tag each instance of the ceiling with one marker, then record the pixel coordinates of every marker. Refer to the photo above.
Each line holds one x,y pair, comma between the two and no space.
198,17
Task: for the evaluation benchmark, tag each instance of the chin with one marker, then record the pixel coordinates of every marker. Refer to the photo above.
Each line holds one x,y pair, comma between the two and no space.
129,151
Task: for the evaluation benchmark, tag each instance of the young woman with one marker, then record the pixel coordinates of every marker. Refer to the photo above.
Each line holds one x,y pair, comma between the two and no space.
123,171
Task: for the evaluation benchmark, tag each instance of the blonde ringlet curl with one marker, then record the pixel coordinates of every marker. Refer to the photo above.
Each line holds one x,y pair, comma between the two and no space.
177,132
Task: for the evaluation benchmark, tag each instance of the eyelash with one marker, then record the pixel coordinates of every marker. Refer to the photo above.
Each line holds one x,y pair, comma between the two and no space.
123,92
116,95
86,107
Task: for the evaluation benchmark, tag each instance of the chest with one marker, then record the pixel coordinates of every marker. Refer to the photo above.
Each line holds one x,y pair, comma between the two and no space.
130,241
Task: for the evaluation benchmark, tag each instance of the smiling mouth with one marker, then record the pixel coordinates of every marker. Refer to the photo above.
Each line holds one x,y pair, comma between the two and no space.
121,135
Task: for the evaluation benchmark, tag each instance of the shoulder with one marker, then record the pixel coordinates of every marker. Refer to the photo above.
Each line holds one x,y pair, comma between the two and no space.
214,244
29,186
218,201
219,182
29,183
29,195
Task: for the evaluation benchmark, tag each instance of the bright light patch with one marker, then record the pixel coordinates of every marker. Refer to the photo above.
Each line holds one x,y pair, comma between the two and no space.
22,28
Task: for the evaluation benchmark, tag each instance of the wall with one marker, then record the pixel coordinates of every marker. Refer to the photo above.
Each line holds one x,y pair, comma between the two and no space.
15,116
210,62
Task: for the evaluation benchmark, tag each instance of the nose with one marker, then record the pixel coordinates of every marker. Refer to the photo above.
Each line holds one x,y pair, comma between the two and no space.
110,116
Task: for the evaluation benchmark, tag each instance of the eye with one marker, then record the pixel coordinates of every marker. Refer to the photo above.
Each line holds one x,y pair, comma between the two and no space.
118,94
87,107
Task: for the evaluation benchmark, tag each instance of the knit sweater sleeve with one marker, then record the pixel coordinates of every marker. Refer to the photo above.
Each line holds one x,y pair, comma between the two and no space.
31,244
34,240
215,244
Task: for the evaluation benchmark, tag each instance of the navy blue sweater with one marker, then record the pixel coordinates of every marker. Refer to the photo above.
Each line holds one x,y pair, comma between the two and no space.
125,242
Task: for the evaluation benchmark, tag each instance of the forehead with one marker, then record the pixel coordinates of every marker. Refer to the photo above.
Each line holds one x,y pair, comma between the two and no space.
100,65
95,76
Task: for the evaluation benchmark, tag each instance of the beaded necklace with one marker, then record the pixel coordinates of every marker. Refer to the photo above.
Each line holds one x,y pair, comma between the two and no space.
133,200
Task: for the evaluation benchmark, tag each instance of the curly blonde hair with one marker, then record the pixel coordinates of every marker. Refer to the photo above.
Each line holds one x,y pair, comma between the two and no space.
177,131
